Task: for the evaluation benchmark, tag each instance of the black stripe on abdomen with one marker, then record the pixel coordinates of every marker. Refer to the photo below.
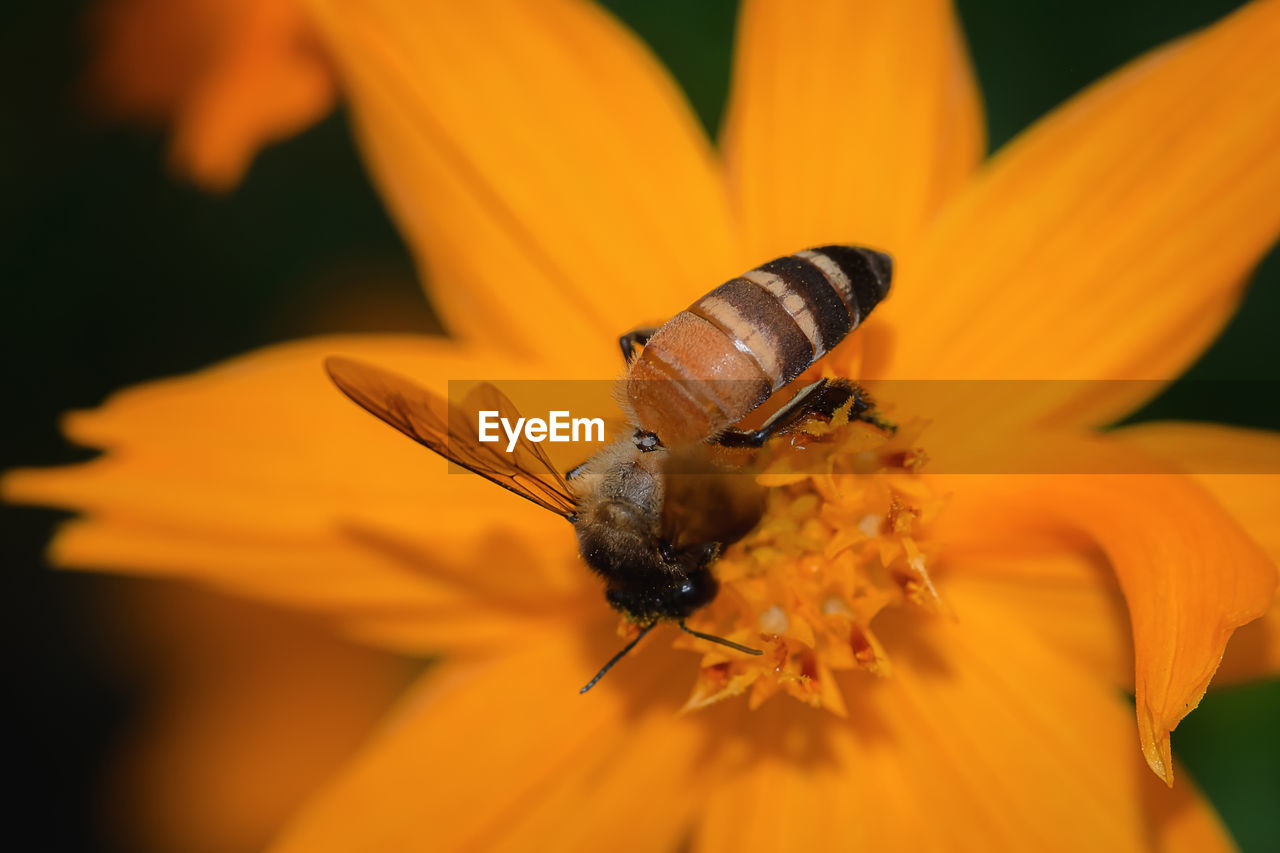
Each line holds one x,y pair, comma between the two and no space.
869,274
757,324
824,304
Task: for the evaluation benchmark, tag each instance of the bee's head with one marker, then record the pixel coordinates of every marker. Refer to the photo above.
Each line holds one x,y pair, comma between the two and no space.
671,584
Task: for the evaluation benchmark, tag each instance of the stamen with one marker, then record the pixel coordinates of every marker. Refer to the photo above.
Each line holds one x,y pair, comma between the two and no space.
833,550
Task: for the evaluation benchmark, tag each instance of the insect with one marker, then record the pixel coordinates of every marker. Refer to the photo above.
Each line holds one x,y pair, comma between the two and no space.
651,534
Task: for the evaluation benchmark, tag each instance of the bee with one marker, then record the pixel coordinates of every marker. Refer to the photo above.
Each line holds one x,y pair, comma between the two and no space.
650,534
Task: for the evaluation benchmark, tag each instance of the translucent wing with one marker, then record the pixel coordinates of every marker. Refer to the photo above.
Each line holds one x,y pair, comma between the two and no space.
452,431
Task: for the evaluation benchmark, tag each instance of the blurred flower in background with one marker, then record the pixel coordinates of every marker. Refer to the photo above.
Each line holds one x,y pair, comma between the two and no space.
226,77
254,708
498,139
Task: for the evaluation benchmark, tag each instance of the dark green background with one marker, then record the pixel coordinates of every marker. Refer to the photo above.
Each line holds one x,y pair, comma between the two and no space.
114,273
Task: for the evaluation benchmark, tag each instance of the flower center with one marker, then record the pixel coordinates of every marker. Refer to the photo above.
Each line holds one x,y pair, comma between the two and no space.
833,550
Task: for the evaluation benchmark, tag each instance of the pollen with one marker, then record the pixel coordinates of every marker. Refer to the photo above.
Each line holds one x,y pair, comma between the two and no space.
774,621
835,548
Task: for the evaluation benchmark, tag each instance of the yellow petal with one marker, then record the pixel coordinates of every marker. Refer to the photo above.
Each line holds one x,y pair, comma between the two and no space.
247,711
1068,594
462,766
259,476
848,122
1218,457
543,166
1190,576
984,738
415,598
1111,240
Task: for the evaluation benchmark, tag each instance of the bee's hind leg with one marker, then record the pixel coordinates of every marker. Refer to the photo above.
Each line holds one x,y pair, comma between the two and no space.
634,338
823,398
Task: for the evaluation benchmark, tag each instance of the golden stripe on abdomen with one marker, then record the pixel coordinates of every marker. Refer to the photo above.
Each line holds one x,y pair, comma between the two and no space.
807,282
860,276
756,323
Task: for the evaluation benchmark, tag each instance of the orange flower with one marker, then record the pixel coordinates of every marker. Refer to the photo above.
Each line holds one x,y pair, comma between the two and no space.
254,709
557,191
226,76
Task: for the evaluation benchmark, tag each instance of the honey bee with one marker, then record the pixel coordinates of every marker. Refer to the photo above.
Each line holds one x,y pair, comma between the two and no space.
650,534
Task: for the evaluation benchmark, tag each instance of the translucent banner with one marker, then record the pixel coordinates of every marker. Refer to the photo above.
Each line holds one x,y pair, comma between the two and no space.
924,426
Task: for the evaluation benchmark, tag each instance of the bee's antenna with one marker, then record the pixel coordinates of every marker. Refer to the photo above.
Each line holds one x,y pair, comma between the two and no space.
629,646
721,640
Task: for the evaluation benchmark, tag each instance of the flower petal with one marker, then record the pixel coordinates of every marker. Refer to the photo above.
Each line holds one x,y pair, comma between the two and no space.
462,768
248,710
848,122
1111,240
542,164
229,76
417,598
1189,574
1000,740
1210,452
1068,594
258,475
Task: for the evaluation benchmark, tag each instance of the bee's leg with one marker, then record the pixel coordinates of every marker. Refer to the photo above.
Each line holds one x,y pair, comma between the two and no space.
823,398
795,409
633,339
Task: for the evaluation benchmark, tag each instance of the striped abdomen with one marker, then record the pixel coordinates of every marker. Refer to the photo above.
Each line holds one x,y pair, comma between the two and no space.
723,356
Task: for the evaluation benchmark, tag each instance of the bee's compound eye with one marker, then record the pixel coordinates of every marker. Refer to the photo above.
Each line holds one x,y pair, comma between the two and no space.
647,441
695,591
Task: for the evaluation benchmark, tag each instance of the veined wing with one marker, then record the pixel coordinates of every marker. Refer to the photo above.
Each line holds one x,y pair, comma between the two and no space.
452,431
